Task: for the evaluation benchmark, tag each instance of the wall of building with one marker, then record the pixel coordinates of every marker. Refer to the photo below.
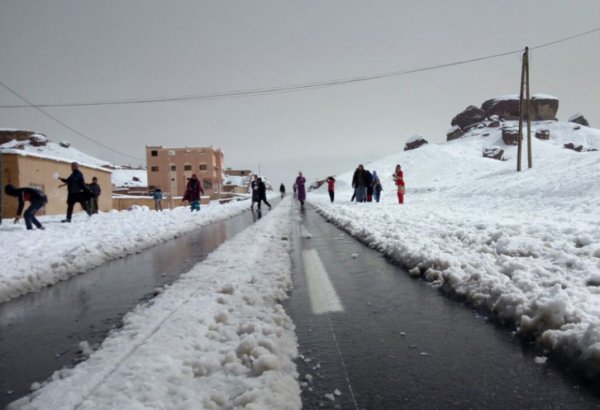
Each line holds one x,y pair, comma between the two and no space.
36,172
124,203
205,162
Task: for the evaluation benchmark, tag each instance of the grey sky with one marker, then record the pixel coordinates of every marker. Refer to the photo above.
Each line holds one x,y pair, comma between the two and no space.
66,51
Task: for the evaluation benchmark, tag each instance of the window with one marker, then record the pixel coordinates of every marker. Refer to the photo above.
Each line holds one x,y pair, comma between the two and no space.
154,169
171,152
203,167
173,168
154,153
187,167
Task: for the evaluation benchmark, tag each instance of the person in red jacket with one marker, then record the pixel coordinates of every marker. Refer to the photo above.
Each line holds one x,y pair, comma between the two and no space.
36,198
192,193
331,188
399,179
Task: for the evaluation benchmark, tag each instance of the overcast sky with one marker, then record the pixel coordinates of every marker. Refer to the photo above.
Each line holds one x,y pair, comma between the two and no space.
70,51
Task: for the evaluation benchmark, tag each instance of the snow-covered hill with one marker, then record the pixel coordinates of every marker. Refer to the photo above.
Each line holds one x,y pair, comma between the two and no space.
524,245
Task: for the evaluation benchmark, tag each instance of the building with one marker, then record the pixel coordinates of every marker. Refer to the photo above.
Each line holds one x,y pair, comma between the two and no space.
28,159
237,181
170,168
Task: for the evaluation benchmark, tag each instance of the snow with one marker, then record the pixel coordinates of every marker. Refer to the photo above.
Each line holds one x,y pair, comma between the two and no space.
414,138
35,259
525,246
236,180
516,97
218,338
54,152
125,177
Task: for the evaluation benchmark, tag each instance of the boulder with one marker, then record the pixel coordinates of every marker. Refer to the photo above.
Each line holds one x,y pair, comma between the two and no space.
542,134
579,119
510,135
454,133
574,147
469,117
38,140
65,144
505,107
494,153
543,107
415,142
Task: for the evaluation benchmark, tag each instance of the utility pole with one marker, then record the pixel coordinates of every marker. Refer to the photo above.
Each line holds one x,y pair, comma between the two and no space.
1,190
524,109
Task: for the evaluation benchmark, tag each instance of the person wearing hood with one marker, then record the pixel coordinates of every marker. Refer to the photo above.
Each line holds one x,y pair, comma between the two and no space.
282,190
37,200
192,193
78,191
377,187
359,183
331,188
369,185
301,188
262,193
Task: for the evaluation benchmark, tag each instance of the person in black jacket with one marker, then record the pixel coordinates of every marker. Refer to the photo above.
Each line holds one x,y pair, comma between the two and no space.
95,191
37,200
78,192
262,194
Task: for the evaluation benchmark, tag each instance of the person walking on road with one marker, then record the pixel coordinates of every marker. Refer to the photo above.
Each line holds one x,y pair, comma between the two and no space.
331,188
192,193
37,200
157,195
95,192
369,185
399,179
301,188
282,190
78,192
377,187
262,193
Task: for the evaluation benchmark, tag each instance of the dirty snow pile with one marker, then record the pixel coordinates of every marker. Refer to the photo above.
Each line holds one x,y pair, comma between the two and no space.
218,338
34,259
525,246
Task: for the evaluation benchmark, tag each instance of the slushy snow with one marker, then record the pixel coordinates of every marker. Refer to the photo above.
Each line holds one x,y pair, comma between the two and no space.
218,338
525,246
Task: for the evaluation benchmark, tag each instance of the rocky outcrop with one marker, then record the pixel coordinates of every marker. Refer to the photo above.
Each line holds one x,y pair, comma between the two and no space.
454,133
578,148
469,117
543,107
506,107
494,153
579,119
510,135
415,143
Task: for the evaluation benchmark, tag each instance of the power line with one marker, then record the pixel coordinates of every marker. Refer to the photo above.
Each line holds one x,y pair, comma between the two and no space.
299,86
47,114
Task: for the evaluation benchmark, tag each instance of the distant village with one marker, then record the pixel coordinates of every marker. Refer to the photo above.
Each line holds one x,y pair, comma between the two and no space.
30,159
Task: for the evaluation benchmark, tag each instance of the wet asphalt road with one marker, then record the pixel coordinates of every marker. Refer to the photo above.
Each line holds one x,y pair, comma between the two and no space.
402,344
40,332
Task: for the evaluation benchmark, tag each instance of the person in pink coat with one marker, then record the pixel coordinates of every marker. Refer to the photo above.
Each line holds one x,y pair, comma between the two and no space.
301,188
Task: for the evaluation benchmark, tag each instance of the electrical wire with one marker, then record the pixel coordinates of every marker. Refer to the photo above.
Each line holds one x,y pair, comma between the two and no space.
81,134
300,86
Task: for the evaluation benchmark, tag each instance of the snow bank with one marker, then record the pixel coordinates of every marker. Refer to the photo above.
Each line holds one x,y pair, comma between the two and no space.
35,259
129,177
218,338
525,246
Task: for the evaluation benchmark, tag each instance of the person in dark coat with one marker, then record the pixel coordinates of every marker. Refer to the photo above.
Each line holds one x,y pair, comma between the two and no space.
331,188
359,183
95,191
192,193
301,188
254,188
36,198
262,193
78,192
369,185
282,190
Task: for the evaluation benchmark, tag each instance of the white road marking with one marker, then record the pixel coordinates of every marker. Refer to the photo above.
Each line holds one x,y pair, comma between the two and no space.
323,297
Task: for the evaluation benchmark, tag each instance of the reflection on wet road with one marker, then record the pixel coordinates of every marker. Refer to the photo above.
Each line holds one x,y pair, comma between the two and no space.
400,343
40,332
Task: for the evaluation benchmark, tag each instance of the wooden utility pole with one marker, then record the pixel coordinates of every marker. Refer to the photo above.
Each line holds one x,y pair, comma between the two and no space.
524,109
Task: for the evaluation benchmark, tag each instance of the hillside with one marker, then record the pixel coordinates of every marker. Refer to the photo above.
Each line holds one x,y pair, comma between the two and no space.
523,246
